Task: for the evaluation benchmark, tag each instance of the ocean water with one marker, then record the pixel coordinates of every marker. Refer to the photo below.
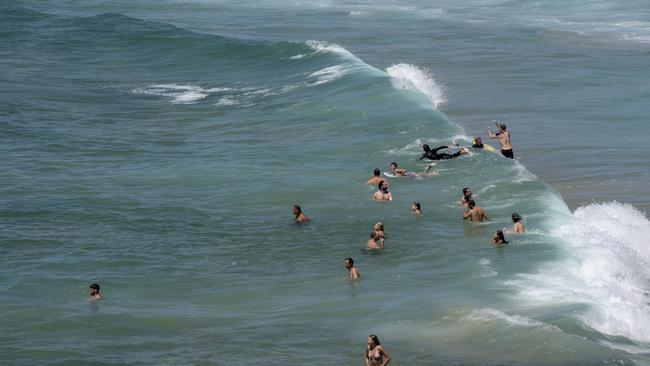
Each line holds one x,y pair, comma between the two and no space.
157,148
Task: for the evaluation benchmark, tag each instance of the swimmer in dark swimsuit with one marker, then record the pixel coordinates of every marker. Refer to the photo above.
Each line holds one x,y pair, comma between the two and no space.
478,143
375,353
434,155
499,238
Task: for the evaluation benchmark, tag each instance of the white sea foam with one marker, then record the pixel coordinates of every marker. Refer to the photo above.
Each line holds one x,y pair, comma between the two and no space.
297,57
179,94
607,267
329,74
226,101
320,46
404,76
489,315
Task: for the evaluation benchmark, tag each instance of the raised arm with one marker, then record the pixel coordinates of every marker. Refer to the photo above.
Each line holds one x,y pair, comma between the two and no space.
491,134
467,214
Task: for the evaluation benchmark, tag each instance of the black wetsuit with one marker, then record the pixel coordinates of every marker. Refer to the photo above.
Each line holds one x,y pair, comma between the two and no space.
434,155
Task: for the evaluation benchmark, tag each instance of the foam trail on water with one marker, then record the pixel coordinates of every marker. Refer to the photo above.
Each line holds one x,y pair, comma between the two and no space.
607,267
405,76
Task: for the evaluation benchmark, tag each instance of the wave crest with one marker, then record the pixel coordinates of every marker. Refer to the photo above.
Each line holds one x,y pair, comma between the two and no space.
405,76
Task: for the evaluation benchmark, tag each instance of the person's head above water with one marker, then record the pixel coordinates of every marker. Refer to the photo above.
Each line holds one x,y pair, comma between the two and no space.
415,206
499,237
471,204
426,148
297,210
376,172
383,186
373,341
349,262
94,290
467,192
393,165
379,226
515,217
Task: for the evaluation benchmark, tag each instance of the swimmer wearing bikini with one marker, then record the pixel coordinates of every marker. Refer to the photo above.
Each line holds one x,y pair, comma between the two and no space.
376,355
379,233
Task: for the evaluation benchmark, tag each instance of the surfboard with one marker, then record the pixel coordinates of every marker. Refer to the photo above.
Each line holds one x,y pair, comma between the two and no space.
407,175
489,148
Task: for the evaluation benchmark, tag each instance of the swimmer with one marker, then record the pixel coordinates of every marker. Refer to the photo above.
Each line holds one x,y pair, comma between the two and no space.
376,178
397,172
434,155
94,292
382,193
474,213
300,217
354,273
415,209
467,195
518,226
499,238
478,143
375,353
379,232
504,139
372,242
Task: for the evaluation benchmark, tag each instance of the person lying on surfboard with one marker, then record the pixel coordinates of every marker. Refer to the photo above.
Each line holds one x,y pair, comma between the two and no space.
395,172
433,154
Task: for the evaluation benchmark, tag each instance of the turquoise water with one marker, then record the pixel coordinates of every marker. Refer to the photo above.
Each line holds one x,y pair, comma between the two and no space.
157,149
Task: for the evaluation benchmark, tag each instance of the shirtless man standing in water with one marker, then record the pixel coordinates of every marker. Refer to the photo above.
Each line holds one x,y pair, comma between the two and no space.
354,273
475,213
376,178
504,139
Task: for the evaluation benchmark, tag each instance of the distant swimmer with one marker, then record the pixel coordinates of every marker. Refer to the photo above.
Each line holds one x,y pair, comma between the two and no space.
499,238
382,193
94,292
395,172
379,232
432,154
504,139
374,242
467,195
518,226
376,178
415,209
478,143
354,273
475,213
300,217
398,172
375,353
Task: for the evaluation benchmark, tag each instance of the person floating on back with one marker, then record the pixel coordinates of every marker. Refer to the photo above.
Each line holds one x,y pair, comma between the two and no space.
376,178
415,209
432,154
382,193
504,139
299,216
499,238
518,226
94,292
474,213
353,272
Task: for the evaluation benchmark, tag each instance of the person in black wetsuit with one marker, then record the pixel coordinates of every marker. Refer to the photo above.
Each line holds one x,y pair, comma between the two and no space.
432,154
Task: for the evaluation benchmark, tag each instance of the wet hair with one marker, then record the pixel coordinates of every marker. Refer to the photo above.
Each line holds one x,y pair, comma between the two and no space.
394,163
417,205
297,207
516,217
426,147
373,235
375,340
95,286
471,203
501,237
502,126
465,190
380,224
349,259
376,172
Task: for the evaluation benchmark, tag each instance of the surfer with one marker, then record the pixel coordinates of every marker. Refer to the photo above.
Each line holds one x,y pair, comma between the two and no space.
474,212
499,238
354,273
467,195
432,154
504,139
94,292
372,242
399,172
375,353
518,226
382,193
300,217
415,209
376,178
478,143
